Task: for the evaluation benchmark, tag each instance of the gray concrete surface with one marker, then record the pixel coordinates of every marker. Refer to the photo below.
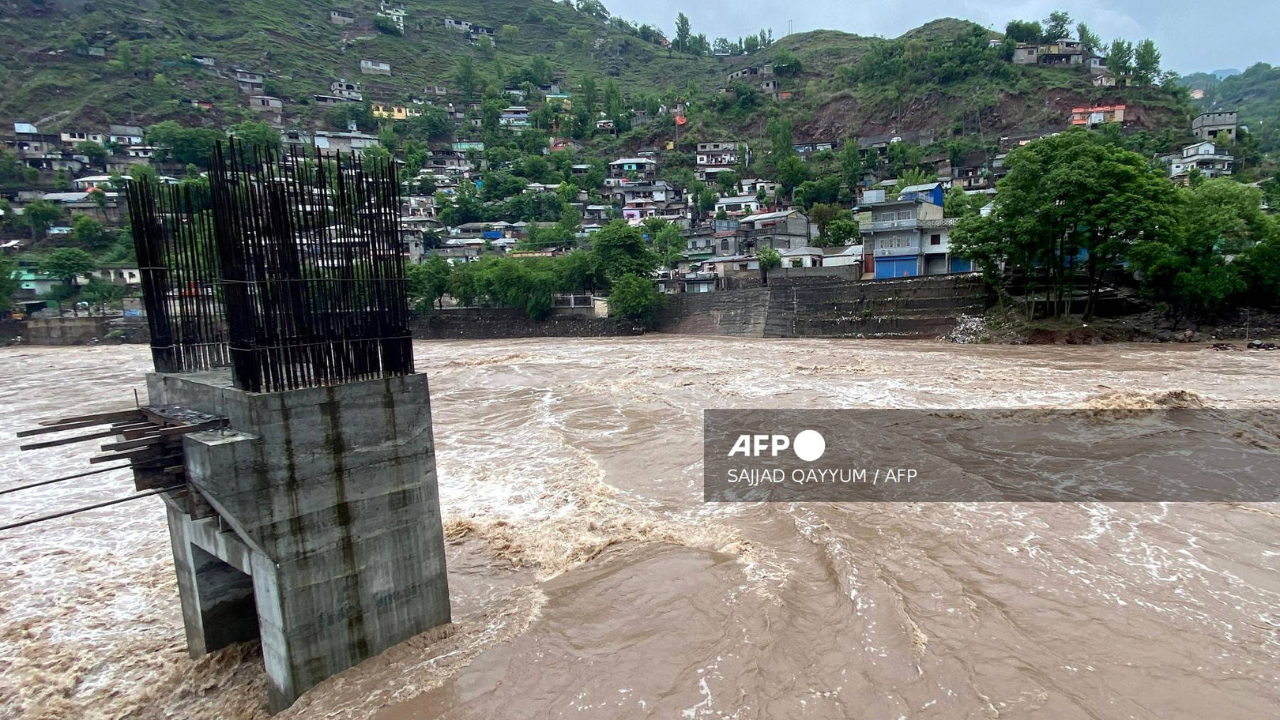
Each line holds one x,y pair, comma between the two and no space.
327,508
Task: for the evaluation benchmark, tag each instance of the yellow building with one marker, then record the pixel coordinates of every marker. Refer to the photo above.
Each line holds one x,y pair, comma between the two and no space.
395,112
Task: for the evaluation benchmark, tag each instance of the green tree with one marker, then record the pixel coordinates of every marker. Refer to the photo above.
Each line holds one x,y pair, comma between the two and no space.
375,155
96,154
791,173
1056,27
621,250
144,174
786,64
1065,197
1088,38
823,214
960,204
9,282
669,244
728,182
100,293
844,231
386,25
67,264
1120,57
635,298
466,78
89,233
1024,31
850,164
507,34
1146,63
428,282
39,216
1189,269
682,33
769,259
183,144
491,113
257,136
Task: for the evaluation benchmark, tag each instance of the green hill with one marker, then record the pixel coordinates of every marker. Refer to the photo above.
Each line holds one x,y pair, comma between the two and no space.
1255,93
46,75
67,63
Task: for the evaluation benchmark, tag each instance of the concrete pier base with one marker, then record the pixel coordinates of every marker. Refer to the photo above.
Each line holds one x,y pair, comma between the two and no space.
316,526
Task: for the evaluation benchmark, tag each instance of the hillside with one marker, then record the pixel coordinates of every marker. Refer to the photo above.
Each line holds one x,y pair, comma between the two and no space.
948,96
1255,93
292,41
942,84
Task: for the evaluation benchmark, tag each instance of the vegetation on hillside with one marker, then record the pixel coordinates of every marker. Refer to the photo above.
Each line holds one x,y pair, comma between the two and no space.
1079,204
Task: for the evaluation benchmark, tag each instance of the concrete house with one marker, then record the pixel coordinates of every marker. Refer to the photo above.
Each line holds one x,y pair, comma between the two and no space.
341,17
1205,157
394,13
750,73
928,192
738,206
907,237
643,200
271,108
1215,125
124,134
515,117
71,138
375,67
250,83
717,157
395,112
346,90
344,142
781,230
1062,52
973,173
634,168
805,149
457,25
1092,117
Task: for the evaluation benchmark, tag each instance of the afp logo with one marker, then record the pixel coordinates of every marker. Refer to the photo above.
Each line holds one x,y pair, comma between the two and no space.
809,445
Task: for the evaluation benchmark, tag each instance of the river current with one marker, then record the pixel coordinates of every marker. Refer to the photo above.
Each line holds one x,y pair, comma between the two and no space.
589,580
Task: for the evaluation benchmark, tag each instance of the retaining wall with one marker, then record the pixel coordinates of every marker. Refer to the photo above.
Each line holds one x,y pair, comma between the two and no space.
64,330
496,323
912,307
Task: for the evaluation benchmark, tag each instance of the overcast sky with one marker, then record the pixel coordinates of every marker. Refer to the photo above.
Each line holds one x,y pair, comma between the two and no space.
1193,35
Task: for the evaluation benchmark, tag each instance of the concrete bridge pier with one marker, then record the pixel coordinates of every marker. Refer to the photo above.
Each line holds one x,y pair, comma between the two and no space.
314,523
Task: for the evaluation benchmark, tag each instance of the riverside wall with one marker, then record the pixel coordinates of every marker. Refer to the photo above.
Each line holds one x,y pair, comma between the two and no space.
497,323
907,308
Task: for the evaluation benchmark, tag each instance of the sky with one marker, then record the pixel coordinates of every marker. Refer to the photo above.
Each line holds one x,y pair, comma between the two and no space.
1193,35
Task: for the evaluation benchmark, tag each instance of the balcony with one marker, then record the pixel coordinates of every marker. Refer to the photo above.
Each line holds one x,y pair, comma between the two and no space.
896,251
885,225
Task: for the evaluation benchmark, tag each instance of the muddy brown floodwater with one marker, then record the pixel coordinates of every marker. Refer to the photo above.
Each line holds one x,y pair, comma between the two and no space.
590,581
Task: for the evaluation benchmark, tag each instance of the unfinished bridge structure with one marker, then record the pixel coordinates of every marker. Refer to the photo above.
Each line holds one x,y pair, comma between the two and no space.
285,428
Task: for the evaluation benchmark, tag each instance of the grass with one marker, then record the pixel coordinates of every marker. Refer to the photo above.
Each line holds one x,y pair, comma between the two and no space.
42,81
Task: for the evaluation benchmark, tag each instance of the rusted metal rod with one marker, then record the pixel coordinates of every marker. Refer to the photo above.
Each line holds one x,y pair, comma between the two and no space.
64,478
87,508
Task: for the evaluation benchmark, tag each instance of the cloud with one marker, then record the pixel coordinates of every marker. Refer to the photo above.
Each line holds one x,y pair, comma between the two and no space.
1192,35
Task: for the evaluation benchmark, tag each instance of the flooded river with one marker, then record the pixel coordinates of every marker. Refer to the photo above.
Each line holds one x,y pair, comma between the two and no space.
589,579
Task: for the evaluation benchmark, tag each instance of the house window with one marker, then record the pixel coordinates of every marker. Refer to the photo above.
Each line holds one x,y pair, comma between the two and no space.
724,246
742,266
935,239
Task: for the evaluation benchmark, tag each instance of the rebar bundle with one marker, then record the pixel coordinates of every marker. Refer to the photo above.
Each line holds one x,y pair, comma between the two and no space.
290,270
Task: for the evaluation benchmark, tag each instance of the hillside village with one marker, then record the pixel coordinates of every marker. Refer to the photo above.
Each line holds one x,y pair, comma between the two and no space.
707,189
